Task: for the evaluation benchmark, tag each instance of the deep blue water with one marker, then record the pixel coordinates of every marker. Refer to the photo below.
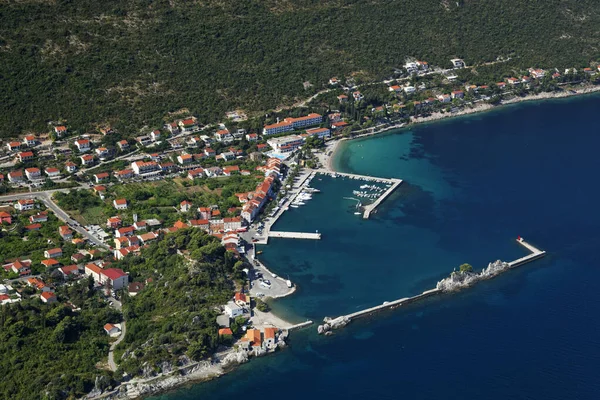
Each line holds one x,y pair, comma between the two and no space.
471,186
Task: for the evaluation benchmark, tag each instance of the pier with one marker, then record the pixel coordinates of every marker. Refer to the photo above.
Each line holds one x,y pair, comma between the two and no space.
390,305
370,208
295,235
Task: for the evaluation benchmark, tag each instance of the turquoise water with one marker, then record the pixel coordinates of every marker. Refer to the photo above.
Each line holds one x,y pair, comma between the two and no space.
471,186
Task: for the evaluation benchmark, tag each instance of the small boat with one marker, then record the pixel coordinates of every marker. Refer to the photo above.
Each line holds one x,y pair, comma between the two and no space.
357,213
294,206
259,252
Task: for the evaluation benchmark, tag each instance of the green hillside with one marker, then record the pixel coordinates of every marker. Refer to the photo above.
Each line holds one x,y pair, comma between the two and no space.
131,62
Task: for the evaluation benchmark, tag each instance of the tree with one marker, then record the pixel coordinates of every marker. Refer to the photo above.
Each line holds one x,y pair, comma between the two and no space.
466,268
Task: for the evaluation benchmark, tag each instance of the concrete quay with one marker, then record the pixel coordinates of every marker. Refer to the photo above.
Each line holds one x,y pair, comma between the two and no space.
371,207
390,305
295,235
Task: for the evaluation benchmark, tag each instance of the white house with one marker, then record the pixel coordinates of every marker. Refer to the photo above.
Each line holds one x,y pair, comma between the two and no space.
82,144
457,63
24,204
112,330
120,204
233,310
223,135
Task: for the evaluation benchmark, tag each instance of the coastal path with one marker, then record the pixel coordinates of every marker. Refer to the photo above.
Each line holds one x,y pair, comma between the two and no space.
111,351
295,235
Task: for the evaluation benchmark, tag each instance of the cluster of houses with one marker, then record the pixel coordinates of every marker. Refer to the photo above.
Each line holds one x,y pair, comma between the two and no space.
254,201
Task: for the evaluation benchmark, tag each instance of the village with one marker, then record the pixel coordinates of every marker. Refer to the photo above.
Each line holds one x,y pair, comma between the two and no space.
74,205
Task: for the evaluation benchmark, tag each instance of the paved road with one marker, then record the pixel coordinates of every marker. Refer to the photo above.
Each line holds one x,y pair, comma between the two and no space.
111,352
46,197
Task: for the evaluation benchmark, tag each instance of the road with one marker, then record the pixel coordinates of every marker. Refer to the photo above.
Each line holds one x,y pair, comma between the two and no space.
111,351
46,198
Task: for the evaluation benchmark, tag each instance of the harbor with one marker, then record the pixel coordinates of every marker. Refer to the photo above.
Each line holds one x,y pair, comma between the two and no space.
456,281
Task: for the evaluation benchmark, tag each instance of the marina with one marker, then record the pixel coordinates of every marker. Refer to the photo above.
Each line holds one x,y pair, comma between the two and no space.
444,286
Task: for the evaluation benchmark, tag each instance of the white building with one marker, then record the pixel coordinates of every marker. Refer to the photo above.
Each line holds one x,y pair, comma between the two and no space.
277,128
286,144
145,167
83,144
233,310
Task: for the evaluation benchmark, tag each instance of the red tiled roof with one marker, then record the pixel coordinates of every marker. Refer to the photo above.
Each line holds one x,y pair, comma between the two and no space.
113,273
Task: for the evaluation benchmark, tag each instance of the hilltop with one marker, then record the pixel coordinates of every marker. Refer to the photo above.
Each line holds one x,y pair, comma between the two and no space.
130,63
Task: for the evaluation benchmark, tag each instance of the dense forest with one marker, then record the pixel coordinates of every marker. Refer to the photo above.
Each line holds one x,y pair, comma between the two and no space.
132,62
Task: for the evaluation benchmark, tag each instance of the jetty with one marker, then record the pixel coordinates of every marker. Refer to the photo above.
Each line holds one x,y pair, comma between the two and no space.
493,270
370,208
295,235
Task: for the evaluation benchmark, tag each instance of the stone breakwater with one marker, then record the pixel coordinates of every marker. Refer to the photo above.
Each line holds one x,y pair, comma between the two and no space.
456,281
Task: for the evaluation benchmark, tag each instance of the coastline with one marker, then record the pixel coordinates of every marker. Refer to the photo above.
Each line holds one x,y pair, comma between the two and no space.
207,370
333,145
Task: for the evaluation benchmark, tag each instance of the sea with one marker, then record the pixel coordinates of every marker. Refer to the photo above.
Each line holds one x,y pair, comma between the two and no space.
471,186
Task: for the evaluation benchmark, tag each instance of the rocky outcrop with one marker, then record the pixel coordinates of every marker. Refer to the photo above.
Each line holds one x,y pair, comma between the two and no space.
461,279
332,324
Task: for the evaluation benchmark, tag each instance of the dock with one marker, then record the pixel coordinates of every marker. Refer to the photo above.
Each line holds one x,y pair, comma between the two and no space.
390,305
370,208
295,235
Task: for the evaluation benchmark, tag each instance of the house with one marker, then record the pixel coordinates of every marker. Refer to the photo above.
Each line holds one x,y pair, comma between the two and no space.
409,89
513,81
5,218
124,174
537,73
230,169
33,173
252,137
60,131
83,145
125,231
457,63
33,227
53,253
123,145
395,88
270,341
196,173
140,225
242,299
24,204
143,140
188,124
100,191
185,206
52,172
458,94
232,224
49,263
25,156
588,71
16,176
106,131
254,339
213,172
501,85
94,271
224,136
334,81
101,177
358,96
48,297
286,144
40,217
342,98
227,155
184,159
112,330
120,204
145,168
155,135
22,268
87,159
69,270
147,237
77,257
70,167
14,146
319,132
339,125
444,98
225,332
134,288
280,127
233,310
526,79
65,232
173,128
203,224
115,277
113,222
30,140
167,167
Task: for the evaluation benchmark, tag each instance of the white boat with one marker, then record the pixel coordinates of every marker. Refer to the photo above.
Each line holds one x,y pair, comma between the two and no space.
356,213
294,205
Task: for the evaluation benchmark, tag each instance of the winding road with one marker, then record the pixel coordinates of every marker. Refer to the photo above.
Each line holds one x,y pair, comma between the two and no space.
111,352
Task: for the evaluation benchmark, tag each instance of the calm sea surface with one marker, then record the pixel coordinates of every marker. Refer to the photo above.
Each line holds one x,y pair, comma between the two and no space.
472,185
